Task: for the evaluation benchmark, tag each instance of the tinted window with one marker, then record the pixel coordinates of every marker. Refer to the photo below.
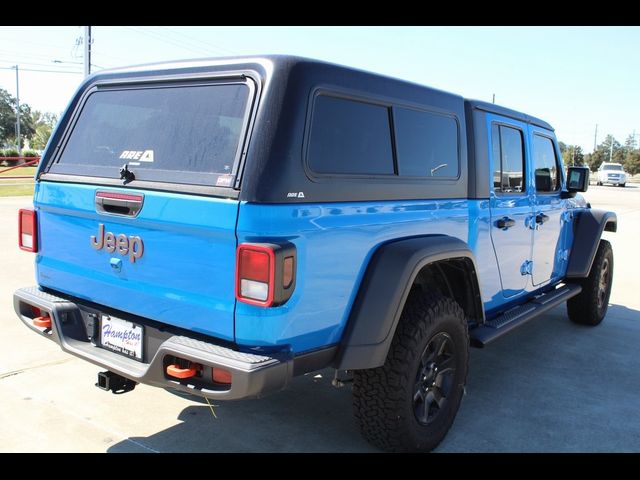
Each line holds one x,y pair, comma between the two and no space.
427,144
161,133
545,164
350,137
508,155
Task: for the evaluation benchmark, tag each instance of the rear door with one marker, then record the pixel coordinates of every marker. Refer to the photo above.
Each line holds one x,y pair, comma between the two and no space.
548,252
510,204
137,210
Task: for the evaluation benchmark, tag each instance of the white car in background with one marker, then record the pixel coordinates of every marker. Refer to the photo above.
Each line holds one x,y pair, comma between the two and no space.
612,173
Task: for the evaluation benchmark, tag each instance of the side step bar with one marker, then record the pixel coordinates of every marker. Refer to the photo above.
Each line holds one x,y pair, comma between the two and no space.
511,319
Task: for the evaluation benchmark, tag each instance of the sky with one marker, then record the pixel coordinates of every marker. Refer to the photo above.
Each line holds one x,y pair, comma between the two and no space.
572,77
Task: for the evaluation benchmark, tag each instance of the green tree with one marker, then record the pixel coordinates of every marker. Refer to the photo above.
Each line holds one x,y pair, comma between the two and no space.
44,124
632,162
8,120
596,158
563,147
630,143
572,155
631,155
27,124
7,116
603,152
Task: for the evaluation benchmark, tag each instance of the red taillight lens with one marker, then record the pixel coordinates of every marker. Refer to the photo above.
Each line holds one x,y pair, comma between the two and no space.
255,273
27,230
255,264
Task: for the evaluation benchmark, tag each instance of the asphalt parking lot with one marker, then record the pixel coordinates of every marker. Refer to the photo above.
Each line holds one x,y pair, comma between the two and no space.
550,386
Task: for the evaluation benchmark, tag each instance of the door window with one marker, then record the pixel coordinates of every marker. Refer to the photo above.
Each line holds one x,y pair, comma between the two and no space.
545,164
508,154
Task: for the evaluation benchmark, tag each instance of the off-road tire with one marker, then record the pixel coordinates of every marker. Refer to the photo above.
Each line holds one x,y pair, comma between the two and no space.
590,306
384,398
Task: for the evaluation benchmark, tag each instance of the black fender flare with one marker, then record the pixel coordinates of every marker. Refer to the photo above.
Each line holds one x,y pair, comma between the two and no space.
587,230
383,291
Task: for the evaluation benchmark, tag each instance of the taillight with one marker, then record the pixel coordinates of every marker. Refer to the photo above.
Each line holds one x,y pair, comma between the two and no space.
265,273
27,230
255,275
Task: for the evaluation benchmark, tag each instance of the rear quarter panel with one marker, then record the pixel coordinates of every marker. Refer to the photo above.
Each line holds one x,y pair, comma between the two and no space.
334,245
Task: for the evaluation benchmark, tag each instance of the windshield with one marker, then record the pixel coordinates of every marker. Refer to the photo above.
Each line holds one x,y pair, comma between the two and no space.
612,167
180,134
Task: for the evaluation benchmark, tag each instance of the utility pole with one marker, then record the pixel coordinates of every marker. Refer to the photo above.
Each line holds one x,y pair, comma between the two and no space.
595,139
18,114
87,51
494,98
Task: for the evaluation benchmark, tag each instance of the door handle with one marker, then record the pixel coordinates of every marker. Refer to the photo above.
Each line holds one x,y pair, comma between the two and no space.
505,222
541,218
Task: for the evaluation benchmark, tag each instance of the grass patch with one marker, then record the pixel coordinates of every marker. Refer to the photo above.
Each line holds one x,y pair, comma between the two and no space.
8,190
19,186
19,172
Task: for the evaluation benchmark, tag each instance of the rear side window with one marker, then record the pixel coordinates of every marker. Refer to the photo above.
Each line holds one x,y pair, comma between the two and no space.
177,134
349,137
427,144
545,164
508,159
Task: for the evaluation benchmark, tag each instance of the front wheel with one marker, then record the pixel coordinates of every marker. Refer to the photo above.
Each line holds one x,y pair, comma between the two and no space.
590,306
623,185
409,404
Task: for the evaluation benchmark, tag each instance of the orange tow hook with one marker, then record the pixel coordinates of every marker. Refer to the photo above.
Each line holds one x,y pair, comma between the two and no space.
178,372
42,322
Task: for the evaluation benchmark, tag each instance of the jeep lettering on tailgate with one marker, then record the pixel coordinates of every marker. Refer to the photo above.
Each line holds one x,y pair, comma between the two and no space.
132,246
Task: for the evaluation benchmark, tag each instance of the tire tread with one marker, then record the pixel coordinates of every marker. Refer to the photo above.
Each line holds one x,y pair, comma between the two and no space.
379,393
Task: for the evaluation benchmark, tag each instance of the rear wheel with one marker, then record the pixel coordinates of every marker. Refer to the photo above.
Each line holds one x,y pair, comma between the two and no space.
590,306
409,404
623,185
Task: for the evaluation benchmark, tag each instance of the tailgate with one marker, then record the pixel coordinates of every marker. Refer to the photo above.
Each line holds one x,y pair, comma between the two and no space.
136,206
183,276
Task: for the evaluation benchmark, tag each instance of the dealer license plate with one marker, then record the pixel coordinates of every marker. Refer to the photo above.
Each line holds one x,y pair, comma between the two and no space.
121,336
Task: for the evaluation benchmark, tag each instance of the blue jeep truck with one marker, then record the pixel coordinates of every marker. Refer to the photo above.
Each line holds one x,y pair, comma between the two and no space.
218,227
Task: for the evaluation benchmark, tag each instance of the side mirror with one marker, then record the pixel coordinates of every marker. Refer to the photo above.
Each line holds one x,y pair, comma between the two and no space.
577,181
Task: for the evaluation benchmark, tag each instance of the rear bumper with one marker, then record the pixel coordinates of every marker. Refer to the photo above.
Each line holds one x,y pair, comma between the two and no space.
613,180
252,375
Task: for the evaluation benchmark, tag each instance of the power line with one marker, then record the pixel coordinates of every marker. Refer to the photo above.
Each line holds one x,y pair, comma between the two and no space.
156,36
35,61
197,41
39,70
177,42
38,44
108,55
101,66
36,56
5,60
